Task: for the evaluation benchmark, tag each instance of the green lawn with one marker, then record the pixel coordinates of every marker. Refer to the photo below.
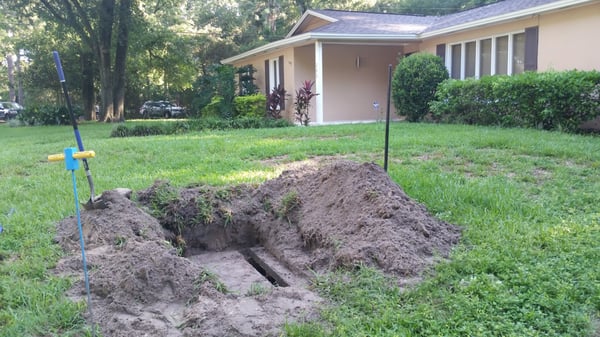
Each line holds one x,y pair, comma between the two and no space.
529,202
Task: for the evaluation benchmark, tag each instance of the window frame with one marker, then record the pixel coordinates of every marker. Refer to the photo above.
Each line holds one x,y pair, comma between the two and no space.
463,43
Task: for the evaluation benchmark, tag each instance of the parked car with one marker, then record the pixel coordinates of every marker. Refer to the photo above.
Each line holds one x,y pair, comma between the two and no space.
164,109
9,110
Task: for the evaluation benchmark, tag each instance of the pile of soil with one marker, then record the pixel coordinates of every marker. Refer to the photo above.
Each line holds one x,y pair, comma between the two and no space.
149,274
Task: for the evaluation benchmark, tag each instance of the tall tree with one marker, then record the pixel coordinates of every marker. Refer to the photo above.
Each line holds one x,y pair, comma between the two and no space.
95,22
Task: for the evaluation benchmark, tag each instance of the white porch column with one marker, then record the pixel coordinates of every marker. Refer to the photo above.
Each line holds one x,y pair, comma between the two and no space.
319,81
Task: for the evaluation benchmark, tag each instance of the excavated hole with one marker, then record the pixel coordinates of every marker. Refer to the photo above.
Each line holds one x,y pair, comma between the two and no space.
234,253
263,268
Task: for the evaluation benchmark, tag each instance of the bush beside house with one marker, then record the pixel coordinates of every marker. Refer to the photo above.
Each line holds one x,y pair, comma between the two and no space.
414,84
548,100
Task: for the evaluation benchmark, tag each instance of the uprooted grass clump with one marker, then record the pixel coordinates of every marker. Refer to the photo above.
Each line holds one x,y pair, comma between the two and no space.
192,212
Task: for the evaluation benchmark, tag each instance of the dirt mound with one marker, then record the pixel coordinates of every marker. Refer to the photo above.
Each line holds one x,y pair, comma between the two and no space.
350,214
234,261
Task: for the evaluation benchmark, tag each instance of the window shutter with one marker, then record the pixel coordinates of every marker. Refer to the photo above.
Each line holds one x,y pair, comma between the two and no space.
281,81
267,77
531,48
440,50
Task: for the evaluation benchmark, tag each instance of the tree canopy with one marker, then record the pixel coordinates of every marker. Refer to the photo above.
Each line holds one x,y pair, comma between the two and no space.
118,53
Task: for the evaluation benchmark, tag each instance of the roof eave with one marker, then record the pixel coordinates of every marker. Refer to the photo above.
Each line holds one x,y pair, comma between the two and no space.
267,48
303,38
304,16
505,17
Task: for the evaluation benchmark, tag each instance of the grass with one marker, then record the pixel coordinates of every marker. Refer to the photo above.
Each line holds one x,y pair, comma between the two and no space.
528,201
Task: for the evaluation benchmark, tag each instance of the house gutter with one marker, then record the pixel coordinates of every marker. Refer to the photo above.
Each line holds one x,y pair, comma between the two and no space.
310,37
505,17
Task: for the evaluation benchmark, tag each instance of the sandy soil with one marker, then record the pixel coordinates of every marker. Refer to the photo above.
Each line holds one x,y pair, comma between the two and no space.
237,261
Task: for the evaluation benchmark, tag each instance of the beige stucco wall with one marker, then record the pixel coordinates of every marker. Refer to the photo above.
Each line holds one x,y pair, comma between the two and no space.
304,71
567,39
259,63
350,90
570,39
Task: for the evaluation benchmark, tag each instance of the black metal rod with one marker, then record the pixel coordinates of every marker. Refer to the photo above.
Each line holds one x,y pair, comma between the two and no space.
387,119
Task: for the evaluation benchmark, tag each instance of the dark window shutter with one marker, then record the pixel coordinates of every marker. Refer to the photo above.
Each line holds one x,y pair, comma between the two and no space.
440,50
531,48
267,76
281,82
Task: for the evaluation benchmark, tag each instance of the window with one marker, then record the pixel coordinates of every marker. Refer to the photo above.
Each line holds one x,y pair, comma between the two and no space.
274,75
485,57
456,61
503,55
518,59
470,57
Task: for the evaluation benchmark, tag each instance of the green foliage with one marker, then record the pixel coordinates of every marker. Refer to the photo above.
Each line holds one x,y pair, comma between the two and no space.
549,100
528,202
302,102
47,115
180,127
257,289
250,106
150,129
213,109
289,203
225,87
275,101
246,80
215,92
210,277
414,84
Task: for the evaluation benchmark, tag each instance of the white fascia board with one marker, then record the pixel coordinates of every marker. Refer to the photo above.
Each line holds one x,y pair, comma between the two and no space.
361,37
325,37
304,16
506,17
267,48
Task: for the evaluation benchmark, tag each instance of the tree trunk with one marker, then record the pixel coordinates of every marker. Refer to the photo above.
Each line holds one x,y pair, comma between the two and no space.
11,77
121,58
87,86
105,24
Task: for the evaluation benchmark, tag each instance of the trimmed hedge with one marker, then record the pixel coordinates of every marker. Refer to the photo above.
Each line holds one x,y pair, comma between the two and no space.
178,127
548,100
250,106
48,115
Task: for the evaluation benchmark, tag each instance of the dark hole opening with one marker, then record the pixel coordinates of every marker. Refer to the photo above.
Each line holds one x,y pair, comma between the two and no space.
263,268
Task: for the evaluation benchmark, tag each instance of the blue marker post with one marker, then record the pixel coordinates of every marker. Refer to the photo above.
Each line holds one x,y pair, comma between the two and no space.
71,157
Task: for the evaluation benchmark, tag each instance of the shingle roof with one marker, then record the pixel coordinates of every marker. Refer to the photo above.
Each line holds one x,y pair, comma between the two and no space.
484,12
380,23
373,23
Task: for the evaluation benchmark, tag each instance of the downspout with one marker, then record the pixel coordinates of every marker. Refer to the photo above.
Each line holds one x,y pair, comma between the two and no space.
319,81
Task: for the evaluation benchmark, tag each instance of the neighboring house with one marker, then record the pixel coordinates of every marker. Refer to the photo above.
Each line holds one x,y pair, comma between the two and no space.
347,53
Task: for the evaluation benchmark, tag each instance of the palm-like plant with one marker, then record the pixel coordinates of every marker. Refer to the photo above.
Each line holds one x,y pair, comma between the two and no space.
303,97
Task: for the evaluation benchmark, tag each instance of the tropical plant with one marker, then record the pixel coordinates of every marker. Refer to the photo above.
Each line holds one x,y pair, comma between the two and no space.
275,102
303,97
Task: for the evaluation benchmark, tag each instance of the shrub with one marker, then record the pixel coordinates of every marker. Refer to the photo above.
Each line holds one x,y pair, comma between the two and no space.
169,128
246,80
275,102
212,109
548,100
250,106
48,115
303,97
414,84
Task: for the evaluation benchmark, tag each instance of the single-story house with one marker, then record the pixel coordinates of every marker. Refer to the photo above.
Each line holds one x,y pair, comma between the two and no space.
347,53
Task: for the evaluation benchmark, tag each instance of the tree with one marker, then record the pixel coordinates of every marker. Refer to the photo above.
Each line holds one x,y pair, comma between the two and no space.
103,28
